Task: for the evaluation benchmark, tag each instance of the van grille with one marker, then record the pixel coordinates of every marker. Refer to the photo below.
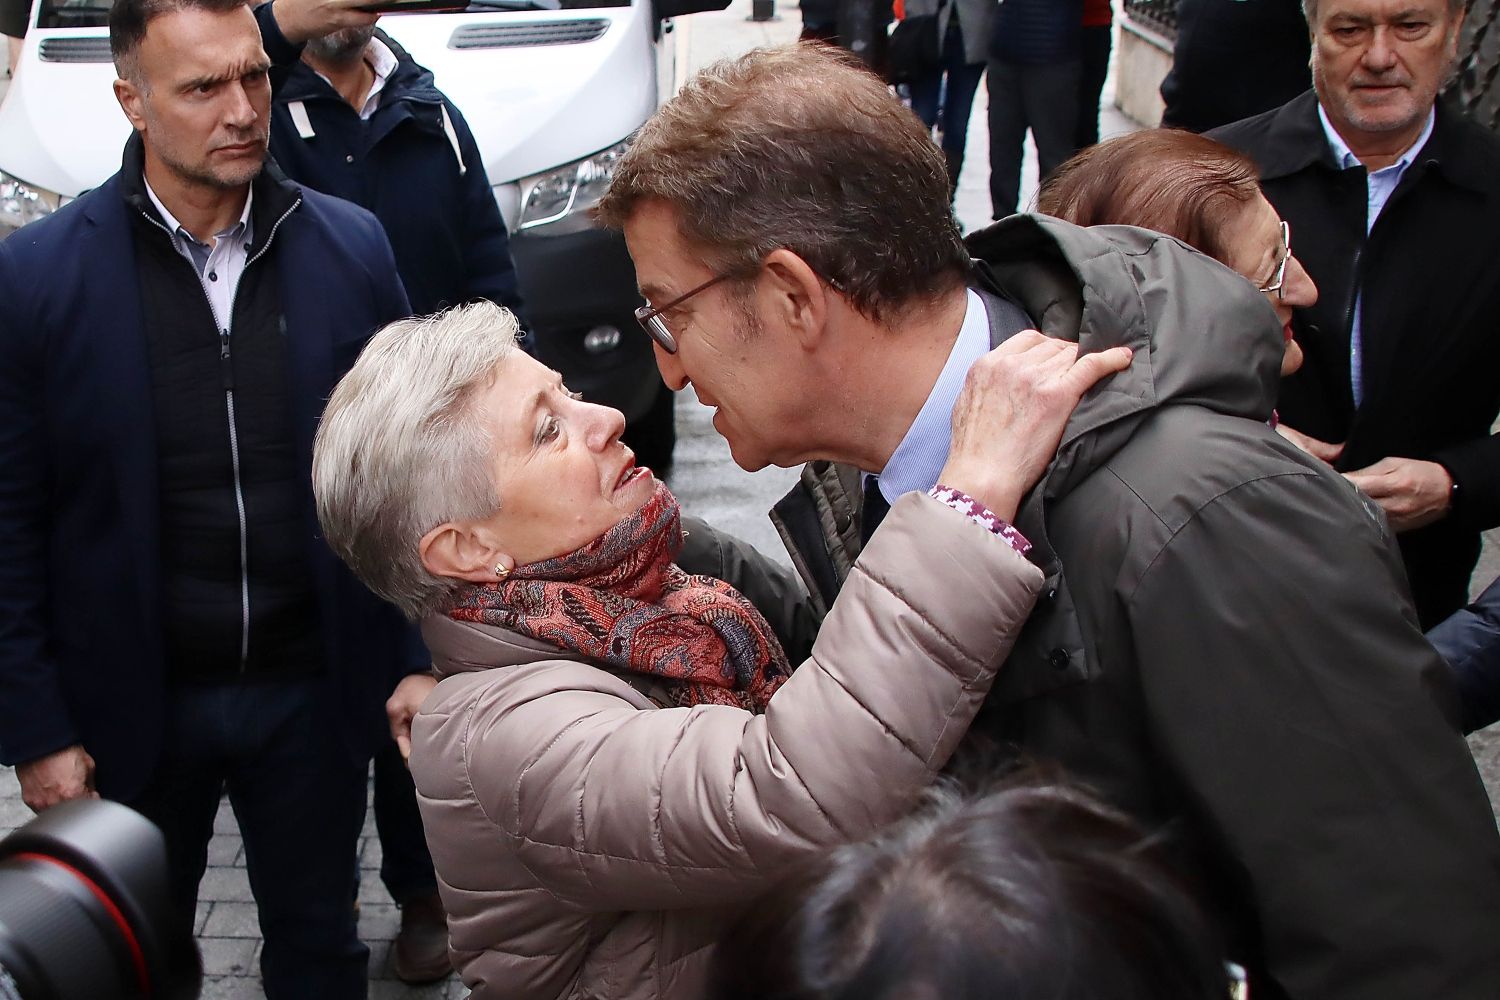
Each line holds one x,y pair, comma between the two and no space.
505,36
76,50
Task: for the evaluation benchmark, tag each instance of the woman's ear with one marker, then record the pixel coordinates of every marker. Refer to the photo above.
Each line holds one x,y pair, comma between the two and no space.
459,552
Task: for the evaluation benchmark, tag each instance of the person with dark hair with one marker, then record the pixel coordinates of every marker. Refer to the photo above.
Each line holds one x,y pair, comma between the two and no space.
1233,59
1034,77
946,96
1225,644
171,623
1195,189
1394,197
1033,890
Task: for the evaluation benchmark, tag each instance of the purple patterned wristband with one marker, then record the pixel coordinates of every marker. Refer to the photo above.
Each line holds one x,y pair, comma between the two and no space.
965,504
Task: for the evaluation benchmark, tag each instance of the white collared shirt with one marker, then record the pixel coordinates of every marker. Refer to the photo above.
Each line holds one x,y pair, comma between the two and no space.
1380,185
382,62
219,265
919,459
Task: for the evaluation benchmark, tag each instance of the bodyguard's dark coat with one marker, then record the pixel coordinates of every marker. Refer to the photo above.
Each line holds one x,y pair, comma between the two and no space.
81,657
1430,272
1224,646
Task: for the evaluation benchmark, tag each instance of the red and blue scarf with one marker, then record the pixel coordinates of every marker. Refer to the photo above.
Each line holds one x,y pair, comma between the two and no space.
622,600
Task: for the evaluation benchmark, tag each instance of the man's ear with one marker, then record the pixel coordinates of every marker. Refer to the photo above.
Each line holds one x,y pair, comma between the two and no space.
798,298
132,103
460,552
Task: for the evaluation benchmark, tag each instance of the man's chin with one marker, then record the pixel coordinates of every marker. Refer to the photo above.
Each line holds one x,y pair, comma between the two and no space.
1385,112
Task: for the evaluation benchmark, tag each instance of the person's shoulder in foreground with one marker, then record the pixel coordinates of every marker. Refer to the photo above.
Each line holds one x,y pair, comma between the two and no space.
1237,610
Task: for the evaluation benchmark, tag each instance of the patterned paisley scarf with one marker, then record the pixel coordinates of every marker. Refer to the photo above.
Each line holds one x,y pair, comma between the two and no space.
620,599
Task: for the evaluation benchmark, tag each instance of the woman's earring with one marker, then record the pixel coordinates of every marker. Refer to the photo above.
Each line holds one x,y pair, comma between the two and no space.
501,571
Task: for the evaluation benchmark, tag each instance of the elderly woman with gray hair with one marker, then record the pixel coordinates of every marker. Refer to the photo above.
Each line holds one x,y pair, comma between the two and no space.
619,756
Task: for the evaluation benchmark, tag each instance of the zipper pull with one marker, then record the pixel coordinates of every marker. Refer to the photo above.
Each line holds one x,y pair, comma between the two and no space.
226,363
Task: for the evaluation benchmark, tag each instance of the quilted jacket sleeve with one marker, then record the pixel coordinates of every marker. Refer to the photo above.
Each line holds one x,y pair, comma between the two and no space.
612,806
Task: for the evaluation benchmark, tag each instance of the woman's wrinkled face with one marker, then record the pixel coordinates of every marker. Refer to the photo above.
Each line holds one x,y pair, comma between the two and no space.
1255,249
561,474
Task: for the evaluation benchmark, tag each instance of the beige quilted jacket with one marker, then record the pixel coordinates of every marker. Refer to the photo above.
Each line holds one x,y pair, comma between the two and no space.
590,844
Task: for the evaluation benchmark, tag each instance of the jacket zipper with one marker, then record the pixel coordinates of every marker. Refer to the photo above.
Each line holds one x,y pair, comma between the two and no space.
226,377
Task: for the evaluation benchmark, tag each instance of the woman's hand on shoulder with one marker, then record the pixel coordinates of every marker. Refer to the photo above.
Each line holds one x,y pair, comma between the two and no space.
1010,415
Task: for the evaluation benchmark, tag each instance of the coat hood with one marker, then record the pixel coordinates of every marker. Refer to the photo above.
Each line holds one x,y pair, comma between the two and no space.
1202,334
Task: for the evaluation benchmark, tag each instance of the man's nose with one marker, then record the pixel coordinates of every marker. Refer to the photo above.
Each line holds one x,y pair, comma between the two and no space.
1379,55
671,369
1300,290
241,110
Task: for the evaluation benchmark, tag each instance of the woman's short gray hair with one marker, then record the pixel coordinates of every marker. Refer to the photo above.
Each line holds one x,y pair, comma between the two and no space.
400,451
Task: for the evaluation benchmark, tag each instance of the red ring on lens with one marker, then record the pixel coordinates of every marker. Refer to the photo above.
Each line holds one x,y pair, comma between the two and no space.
136,953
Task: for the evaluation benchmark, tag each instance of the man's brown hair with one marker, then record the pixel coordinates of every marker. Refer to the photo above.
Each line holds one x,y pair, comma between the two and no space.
1177,183
800,148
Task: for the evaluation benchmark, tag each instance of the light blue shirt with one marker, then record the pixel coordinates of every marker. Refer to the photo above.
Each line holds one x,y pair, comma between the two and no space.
219,266
1380,184
918,460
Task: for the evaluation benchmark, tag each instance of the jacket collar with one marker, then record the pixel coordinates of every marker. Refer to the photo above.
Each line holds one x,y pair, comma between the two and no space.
409,81
1295,141
274,195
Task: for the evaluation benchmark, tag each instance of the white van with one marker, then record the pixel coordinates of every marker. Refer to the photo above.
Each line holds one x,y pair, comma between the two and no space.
553,90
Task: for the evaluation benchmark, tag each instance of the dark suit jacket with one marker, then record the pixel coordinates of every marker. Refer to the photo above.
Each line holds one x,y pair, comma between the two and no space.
1430,273
80,626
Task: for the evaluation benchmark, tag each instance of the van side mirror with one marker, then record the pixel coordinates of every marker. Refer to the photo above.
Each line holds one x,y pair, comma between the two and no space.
678,8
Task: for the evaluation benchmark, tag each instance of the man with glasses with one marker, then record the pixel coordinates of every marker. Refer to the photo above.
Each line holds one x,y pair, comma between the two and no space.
1395,199
1223,648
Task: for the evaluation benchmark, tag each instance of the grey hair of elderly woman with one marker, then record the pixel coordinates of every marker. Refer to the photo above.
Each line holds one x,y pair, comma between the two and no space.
399,450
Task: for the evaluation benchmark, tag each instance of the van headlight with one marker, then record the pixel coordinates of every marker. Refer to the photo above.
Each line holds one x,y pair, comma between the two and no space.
21,203
558,201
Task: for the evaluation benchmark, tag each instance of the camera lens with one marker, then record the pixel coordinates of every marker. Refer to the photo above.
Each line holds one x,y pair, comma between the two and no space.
85,910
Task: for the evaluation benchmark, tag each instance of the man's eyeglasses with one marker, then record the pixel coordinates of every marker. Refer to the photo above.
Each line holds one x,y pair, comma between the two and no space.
1278,283
651,321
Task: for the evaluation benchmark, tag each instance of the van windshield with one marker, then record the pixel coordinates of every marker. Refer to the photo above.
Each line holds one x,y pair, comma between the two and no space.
95,13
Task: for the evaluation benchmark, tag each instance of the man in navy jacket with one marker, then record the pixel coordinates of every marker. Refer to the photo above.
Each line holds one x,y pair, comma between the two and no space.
170,622
354,116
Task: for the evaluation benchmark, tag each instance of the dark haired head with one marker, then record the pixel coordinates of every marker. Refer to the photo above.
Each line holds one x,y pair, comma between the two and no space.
1177,183
1033,891
128,20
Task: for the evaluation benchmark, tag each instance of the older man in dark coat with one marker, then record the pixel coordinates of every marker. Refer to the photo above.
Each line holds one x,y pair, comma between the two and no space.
1393,199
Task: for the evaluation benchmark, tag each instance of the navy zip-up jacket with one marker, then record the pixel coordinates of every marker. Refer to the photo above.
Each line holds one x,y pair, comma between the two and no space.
428,188
82,656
